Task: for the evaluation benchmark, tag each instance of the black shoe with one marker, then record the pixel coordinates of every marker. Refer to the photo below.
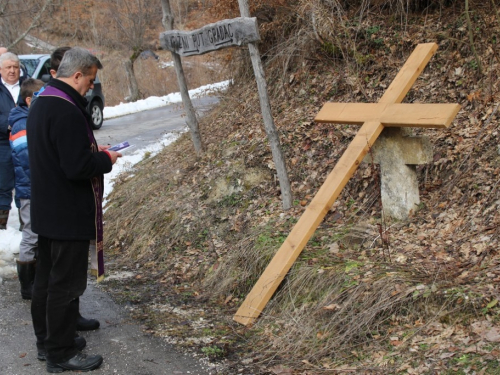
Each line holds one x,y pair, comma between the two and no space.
83,324
80,343
80,362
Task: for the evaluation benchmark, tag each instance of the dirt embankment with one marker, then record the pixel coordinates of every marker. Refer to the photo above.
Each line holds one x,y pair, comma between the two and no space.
366,294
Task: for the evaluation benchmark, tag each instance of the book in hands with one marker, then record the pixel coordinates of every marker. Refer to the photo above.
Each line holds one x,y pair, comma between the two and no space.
119,146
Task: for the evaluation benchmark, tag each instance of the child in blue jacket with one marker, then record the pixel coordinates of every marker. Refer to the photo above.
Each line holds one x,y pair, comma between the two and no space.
19,146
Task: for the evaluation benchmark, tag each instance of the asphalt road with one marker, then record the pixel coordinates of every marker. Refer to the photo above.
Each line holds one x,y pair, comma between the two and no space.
143,128
125,348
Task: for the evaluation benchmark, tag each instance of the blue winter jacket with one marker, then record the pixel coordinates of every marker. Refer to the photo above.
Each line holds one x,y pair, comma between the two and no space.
19,146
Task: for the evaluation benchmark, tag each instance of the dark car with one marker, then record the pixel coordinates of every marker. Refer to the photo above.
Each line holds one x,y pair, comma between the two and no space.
38,66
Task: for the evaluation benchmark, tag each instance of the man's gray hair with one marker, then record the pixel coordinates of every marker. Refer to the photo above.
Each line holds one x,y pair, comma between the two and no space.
8,56
75,60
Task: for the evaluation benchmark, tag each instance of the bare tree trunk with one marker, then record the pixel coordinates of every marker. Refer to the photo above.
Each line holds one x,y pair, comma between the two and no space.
133,87
192,121
272,134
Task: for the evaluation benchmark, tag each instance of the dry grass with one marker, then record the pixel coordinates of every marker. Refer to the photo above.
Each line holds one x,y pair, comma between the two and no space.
331,314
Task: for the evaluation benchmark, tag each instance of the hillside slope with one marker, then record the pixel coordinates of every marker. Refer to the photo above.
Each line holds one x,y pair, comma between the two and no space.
366,295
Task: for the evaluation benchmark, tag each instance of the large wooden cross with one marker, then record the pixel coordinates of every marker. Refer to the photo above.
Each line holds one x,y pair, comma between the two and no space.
388,112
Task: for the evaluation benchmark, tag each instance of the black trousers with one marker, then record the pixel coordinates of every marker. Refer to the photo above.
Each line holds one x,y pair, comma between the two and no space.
60,279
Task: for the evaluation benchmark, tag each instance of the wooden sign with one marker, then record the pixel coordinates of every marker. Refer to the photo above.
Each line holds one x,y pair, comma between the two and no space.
218,35
373,117
222,34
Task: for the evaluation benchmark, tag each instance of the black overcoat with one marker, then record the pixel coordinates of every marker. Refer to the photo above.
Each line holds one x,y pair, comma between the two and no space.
62,165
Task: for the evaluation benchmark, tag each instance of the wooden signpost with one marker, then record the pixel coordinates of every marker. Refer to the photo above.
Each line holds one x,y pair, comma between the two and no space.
222,34
229,33
373,117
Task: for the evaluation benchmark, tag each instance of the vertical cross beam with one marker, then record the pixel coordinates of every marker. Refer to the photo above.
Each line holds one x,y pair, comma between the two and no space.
283,260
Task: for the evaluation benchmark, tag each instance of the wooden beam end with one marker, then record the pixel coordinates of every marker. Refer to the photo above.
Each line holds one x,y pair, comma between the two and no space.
324,115
243,320
453,113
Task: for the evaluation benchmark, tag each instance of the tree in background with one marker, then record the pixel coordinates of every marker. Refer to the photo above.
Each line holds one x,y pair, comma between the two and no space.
133,20
17,19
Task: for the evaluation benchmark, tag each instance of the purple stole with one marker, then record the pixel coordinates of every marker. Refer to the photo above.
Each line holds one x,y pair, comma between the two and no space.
97,186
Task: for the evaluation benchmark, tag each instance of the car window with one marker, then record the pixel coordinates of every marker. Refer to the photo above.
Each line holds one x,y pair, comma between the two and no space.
30,65
45,69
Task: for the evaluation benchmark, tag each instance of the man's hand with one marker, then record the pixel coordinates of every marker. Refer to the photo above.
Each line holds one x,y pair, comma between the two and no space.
114,155
103,147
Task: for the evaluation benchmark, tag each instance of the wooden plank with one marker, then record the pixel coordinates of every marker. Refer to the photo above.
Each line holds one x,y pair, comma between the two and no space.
222,34
390,115
419,115
349,113
307,224
408,74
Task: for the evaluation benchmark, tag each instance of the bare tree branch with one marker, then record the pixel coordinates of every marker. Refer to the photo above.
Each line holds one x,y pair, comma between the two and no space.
34,23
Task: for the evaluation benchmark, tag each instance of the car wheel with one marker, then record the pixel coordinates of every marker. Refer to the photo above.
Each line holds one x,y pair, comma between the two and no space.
96,114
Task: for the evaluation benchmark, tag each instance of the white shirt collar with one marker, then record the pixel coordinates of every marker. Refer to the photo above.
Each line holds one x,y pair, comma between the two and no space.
8,84
13,89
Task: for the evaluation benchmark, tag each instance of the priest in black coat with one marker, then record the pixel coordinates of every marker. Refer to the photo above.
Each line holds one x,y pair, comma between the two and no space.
67,168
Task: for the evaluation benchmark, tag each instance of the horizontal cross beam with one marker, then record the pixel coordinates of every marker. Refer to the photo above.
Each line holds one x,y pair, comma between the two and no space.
390,115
